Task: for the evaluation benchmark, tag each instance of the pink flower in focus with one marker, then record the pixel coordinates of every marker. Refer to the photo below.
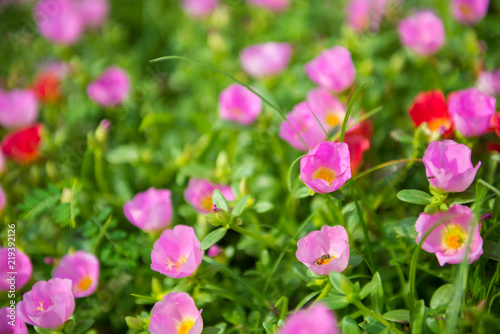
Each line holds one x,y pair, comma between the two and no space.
22,267
317,319
111,88
214,251
48,304
93,13
177,252
448,166
199,194
7,315
238,104
274,5
458,228
325,250
489,82
265,59
469,11
332,69
18,107
58,21
150,210
423,32
82,269
471,111
326,167
176,313
199,8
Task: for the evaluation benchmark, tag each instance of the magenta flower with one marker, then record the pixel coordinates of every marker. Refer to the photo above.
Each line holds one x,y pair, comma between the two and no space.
111,88
199,194
48,304
469,11
9,315
325,250
332,69
3,199
326,167
22,268
58,21
307,129
262,60
150,210
274,5
177,252
238,104
18,108
489,82
448,166
458,228
326,107
423,33
199,8
93,13
471,111
176,313
82,269
214,250
317,319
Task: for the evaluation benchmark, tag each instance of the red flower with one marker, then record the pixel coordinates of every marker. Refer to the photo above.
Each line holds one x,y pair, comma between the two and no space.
358,141
430,107
22,145
495,123
46,87
493,147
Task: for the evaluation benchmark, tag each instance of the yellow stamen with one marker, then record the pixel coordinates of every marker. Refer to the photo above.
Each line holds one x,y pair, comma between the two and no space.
454,238
333,119
84,284
40,308
185,326
324,174
437,123
177,264
206,203
465,9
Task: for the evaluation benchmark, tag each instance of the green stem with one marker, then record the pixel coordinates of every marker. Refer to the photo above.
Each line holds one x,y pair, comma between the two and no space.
99,170
328,287
386,164
270,242
335,210
386,323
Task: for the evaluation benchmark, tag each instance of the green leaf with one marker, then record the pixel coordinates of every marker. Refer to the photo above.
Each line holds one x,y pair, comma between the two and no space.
219,200
264,206
406,228
355,260
41,330
240,206
213,237
442,296
303,192
414,196
335,302
39,202
337,194
491,250
400,316
128,153
377,294
156,119
367,289
349,326
340,282
269,327
418,323
82,326
465,197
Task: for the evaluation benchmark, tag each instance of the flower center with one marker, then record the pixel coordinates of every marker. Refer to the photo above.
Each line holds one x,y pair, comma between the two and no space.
235,111
439,123
84,283
324,259
185,326
176,265
40,308
324,174
465,9
333,119
206,203
454,238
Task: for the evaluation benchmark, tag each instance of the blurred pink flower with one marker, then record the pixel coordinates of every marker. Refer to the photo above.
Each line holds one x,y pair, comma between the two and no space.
469,11
48,304
274,5
199,8
22,267
265,59
326,107
82,269
199,194
423,32
363,15
238,104
177,252
111,88
18,107
150,210
7,315
325,250
326,167
317,319
448,166
471,111
176,313
58,21
333,69
489,82
93,13
457,229
214,251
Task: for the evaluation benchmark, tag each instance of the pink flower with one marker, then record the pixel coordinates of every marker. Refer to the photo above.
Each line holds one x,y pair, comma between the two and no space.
176,313
82,269
150,210
177,252
423,33
317,319
458,228
325,250
48,304
265,59
93,13
111,88
326,107
365,14
58,21
448,166
3,164
332,69
22,267
469,11
214,251
274,5
8,314
306,126
238,104
199,194
199,8
326,167
489,82
18,107
471,111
